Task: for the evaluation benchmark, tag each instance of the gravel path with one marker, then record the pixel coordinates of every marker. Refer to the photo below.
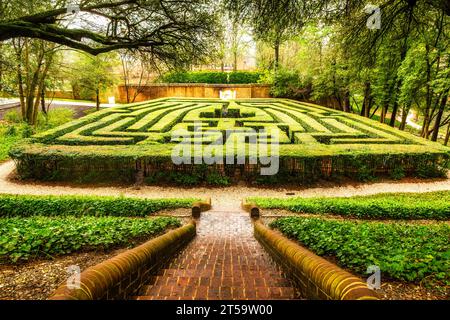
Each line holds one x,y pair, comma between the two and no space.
227,198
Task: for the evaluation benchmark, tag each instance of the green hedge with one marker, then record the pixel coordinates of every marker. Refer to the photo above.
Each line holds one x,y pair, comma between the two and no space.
402,251
29,205
211,77
43,237
430,205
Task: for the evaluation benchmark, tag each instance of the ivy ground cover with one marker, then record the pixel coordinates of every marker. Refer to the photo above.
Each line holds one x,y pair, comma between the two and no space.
406,250
402,251
430,205
48,226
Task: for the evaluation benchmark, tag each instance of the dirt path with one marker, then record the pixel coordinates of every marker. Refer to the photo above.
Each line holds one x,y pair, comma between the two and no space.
227,198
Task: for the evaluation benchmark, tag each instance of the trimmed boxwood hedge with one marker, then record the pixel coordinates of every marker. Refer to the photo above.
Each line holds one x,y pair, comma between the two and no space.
431,205
44,237
401,251
212,77
30,205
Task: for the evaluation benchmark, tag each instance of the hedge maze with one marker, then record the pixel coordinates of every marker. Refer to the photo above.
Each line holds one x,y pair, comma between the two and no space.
313,141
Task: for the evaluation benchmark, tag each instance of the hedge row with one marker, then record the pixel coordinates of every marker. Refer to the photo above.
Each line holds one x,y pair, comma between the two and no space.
432,205
401,251
212,77
44,237
78,206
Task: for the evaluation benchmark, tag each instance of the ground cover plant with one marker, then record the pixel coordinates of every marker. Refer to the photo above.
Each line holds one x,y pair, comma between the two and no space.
314,142
58,206
22,239
430,205
402,251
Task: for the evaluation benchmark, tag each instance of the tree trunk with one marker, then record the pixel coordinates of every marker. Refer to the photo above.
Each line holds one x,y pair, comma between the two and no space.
43,106
97,99
347,105
437,122
277,54
383,112
394,114
404,117
447,135
428,96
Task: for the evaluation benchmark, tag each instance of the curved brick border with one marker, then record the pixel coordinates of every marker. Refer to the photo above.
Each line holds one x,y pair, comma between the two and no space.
199,207
251,208
122,276
317,277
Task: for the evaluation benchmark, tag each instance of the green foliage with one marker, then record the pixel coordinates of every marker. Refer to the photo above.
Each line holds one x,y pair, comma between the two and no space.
397,173
285,84
22,239
432,205
211,77
216,179
13,116
315,143
93,75
54,118
402,251
78,206
244,77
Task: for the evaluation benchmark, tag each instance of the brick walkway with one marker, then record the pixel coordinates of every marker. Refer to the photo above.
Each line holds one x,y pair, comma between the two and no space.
223,262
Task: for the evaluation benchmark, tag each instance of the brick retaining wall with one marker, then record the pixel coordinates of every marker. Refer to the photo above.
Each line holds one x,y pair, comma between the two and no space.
122,276
317,278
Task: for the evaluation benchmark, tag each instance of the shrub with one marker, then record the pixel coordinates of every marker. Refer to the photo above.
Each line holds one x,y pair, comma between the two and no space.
29,205
432,205
25,238
244,77
285,84
402,251
211,77
217,179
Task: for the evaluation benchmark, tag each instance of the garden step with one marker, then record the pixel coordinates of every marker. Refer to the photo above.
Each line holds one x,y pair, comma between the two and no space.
223,262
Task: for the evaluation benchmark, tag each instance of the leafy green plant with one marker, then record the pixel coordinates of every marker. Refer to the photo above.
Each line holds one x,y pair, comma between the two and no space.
397,173
432,205
217,179
402,251
43,237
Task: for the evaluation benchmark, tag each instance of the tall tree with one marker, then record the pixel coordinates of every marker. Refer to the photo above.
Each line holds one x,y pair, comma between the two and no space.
167,29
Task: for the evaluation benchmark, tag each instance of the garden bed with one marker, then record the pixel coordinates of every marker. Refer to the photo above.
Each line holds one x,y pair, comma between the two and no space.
429,205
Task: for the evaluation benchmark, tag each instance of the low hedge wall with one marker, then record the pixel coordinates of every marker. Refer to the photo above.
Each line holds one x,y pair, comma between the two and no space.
31,205
431,205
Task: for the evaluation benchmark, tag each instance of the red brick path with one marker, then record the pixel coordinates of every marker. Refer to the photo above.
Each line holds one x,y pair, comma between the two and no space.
224,261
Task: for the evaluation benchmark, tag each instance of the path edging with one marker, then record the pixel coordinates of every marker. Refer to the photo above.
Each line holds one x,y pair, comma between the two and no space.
199,207
317,278
251,208
121,276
